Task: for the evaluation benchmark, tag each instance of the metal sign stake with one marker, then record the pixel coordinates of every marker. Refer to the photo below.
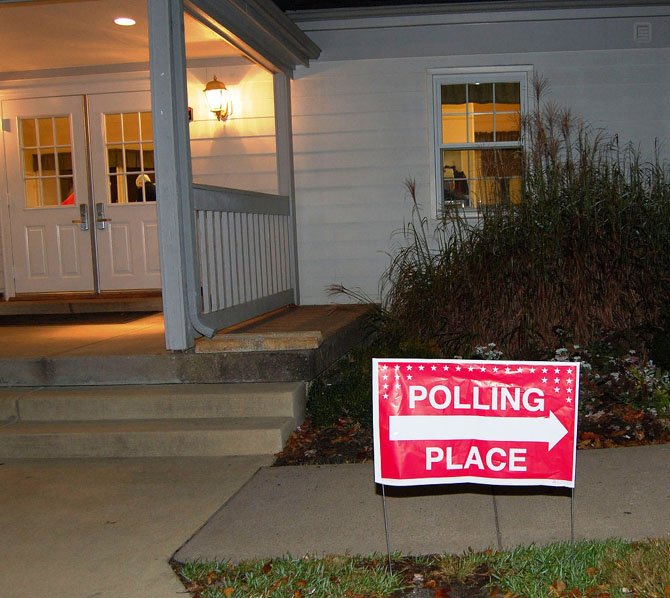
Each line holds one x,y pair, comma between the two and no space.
572,515
386,531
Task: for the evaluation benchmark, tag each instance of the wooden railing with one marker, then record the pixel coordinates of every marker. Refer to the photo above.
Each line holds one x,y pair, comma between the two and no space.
243,247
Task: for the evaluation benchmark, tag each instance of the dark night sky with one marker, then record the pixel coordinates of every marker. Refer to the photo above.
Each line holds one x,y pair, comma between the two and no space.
313,4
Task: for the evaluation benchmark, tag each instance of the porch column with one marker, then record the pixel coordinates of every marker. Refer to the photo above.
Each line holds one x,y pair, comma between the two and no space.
286,179
173,166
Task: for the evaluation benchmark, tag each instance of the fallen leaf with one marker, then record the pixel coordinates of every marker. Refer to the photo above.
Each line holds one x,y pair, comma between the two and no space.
598,591
557,588
279,583
228,592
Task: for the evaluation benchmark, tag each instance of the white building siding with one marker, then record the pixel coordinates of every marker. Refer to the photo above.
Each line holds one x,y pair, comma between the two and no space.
241,152
362,127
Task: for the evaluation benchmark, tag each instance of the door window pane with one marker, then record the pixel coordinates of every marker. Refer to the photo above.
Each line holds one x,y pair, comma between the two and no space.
32,187
146,126
28,132
48,163
131,126
50,192
46,131
113,128
46,151
130,157
67,190
30,163
62,130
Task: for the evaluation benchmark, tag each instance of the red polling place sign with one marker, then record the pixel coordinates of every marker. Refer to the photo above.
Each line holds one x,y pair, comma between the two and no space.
487,422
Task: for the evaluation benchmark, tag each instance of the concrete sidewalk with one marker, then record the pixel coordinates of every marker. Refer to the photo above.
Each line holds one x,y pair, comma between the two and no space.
338,509
84,528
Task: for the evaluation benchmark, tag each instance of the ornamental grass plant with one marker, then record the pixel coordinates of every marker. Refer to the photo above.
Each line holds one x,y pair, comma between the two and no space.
583,254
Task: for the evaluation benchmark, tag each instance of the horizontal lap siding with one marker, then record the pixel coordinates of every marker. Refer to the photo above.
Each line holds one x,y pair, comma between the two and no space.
624,92
361,129
358,134
240,152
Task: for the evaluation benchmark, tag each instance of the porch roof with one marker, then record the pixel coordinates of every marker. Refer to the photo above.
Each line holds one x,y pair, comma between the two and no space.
260,29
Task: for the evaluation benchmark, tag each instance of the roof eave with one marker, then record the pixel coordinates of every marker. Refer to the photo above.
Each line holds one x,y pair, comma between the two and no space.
404,10
260,29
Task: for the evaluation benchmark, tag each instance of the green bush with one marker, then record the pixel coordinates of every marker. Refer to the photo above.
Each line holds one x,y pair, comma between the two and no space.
345,389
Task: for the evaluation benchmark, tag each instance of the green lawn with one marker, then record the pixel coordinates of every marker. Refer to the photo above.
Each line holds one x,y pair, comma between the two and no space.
586,569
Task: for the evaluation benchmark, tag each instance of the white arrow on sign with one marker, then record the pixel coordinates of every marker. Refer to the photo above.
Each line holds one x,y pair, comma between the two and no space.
473,427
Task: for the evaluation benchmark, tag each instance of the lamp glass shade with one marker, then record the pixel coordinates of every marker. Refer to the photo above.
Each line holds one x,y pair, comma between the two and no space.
218,98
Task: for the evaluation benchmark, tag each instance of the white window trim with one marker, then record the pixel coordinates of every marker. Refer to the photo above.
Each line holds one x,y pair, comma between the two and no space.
437,77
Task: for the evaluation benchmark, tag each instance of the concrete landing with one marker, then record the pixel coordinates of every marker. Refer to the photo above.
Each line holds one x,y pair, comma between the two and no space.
98,349
338,509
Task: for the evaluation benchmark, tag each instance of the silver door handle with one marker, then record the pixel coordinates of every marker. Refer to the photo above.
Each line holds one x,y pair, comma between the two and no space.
100,220
83,217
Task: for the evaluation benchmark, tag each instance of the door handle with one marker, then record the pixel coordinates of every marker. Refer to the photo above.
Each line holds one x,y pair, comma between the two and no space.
100,220
83,217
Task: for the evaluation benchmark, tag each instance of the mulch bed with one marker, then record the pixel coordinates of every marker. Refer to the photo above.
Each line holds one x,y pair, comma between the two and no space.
346,441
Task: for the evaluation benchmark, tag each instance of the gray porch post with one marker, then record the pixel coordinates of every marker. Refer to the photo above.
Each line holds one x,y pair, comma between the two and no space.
286,181
173,166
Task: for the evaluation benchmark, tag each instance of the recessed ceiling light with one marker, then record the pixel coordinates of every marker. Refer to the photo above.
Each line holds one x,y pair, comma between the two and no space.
124,21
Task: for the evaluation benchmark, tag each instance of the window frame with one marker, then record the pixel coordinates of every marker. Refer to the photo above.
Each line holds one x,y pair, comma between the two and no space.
453,76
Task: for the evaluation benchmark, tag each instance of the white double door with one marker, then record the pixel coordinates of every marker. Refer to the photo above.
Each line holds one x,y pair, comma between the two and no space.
81,187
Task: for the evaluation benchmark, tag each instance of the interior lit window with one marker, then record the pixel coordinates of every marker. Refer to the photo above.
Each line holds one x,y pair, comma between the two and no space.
478,138
46,150
130,157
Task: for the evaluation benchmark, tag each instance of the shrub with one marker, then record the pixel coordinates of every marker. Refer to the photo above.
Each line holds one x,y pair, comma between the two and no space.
582,257
344,390
584,252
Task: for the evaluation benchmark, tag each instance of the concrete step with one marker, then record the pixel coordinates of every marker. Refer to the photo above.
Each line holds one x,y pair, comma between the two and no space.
200,437
167,420
161,401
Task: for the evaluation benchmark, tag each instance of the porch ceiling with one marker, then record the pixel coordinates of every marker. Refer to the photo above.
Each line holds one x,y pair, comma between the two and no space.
73,34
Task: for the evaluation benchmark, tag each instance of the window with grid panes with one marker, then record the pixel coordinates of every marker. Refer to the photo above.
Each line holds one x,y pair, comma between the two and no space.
478,138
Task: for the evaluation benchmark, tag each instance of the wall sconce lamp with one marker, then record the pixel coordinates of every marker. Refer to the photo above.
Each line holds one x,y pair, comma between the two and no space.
219,99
